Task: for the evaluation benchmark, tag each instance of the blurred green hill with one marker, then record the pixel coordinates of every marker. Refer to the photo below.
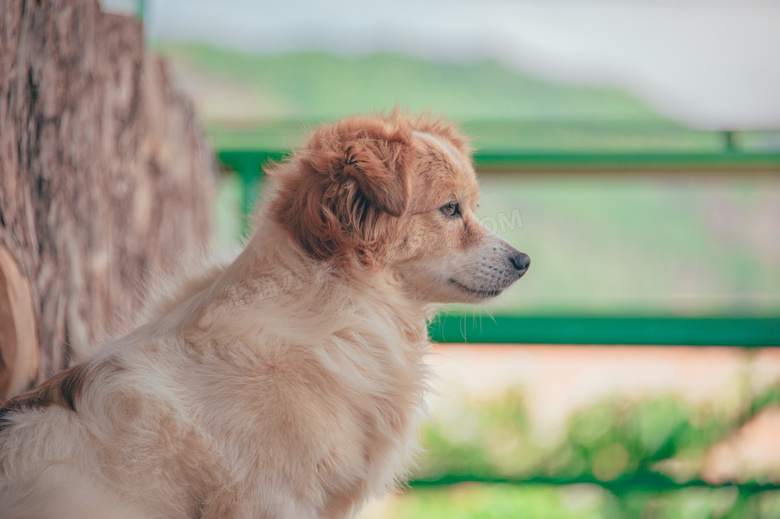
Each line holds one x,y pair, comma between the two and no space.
316,85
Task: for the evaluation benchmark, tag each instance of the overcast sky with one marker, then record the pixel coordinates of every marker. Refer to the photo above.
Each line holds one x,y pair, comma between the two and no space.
710,63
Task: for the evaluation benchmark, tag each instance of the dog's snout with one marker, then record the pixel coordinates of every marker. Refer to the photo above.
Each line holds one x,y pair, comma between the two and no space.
520,261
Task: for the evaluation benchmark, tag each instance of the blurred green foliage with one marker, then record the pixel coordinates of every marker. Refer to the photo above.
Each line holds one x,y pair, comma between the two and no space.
483,460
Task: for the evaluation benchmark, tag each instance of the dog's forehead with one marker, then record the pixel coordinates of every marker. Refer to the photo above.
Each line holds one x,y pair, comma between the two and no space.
442,144
446,171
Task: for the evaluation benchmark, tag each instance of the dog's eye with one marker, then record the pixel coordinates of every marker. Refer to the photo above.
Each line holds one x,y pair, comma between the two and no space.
451,209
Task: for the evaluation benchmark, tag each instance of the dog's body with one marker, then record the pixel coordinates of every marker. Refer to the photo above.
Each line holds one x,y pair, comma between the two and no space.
288,384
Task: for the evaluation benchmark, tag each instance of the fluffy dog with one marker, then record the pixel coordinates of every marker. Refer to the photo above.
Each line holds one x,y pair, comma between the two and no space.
289,383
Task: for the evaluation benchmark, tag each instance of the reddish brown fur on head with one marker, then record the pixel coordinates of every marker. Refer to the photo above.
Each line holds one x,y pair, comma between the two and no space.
338,195
372,190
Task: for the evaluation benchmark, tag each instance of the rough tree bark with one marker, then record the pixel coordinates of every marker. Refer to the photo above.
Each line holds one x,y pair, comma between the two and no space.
105,175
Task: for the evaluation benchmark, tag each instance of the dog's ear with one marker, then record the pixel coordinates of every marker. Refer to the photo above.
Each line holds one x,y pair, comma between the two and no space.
341,195
379,169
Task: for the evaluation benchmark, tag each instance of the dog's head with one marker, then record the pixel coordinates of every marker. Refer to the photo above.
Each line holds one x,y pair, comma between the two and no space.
399,194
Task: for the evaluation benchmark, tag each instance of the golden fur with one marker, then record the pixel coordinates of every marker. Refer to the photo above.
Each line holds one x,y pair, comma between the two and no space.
289,383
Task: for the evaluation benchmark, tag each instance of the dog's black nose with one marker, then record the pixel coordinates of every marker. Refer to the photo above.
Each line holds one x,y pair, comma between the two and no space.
520,261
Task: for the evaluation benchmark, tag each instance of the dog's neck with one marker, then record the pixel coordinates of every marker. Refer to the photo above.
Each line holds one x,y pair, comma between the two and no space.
275,279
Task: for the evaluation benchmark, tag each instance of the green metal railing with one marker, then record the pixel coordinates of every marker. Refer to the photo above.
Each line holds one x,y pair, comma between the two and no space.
746,332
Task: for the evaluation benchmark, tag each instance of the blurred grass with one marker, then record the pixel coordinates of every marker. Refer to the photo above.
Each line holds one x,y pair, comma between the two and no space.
607,441
496,501
619,449
500,501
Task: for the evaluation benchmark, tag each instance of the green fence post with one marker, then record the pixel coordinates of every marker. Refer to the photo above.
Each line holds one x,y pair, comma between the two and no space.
248,166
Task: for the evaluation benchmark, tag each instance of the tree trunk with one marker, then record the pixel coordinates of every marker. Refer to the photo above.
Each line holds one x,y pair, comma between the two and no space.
106,179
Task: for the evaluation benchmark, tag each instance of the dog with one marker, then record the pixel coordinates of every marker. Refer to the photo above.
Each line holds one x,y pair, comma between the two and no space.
288,383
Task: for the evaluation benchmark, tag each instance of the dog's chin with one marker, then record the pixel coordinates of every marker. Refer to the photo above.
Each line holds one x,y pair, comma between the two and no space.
474,294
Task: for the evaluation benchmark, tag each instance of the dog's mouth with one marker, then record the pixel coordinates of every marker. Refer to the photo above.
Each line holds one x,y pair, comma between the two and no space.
483,294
